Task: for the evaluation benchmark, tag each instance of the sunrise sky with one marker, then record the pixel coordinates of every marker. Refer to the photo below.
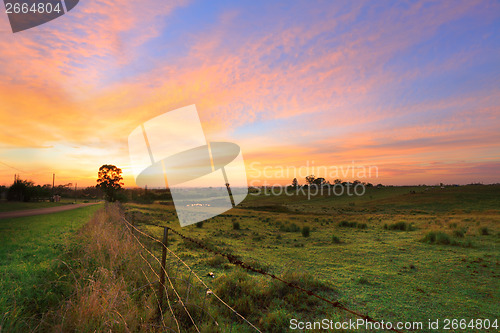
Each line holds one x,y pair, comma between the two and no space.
412,87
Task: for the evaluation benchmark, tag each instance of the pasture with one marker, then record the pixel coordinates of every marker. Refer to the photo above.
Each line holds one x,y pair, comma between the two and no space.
30,252
397,254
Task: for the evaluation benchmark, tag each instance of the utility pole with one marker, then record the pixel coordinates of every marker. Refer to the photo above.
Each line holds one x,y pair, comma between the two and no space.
75,191
53,182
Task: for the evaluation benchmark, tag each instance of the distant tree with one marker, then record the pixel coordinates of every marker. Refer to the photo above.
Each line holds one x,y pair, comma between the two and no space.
310,179
319,181
21,190
109,180
295,182
337,181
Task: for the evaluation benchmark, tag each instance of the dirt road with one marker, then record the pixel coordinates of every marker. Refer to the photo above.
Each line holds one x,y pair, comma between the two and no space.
40,211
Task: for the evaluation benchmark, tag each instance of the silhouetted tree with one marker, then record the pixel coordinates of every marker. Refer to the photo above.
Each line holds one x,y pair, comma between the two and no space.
295,182
337,181
109,180
319,181
21,190
310,179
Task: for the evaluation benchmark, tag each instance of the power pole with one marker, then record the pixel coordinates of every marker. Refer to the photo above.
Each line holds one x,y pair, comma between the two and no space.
53,182
75,191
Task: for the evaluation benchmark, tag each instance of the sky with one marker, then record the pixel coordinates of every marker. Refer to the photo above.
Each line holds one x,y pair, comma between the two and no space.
408,88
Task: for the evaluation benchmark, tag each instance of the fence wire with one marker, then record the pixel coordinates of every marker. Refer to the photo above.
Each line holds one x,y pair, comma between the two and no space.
206,289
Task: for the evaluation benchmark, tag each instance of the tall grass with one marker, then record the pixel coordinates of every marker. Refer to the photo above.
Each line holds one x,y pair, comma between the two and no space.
106,268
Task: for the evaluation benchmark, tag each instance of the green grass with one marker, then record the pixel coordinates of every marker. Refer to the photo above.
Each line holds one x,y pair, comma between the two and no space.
338,247
30,248
381,272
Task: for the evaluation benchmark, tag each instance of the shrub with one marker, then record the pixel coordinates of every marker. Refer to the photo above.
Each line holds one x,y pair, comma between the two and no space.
199,224
335,239
459,233
306,231
362,226
236,225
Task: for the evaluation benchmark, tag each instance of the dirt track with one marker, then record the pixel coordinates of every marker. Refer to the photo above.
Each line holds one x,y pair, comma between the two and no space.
40,211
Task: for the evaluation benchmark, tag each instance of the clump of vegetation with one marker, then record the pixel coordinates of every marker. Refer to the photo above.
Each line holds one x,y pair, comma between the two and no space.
459,233
216,261
400,226
335,239
199,224
255,297
362,226
438,237
362,280
289,227
484,231
347,224
306,231
236,225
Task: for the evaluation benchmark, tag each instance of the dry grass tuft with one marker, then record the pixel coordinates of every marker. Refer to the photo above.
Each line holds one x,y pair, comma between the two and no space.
108,274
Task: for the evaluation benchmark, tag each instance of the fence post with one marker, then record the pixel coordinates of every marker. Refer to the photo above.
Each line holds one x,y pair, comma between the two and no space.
162,272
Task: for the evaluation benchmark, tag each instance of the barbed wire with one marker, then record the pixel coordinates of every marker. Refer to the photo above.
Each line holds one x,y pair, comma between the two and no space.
166,274
208,289
235,261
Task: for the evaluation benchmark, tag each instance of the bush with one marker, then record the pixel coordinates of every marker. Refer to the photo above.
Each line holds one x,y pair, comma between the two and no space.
199,225
306,231
362,226
459,233
335,239
236,225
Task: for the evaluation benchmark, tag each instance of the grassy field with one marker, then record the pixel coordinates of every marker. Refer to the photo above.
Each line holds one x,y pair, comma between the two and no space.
7,206
30,252
397,254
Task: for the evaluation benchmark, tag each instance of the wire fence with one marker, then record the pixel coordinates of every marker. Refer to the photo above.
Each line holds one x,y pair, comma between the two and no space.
187,295
175,260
